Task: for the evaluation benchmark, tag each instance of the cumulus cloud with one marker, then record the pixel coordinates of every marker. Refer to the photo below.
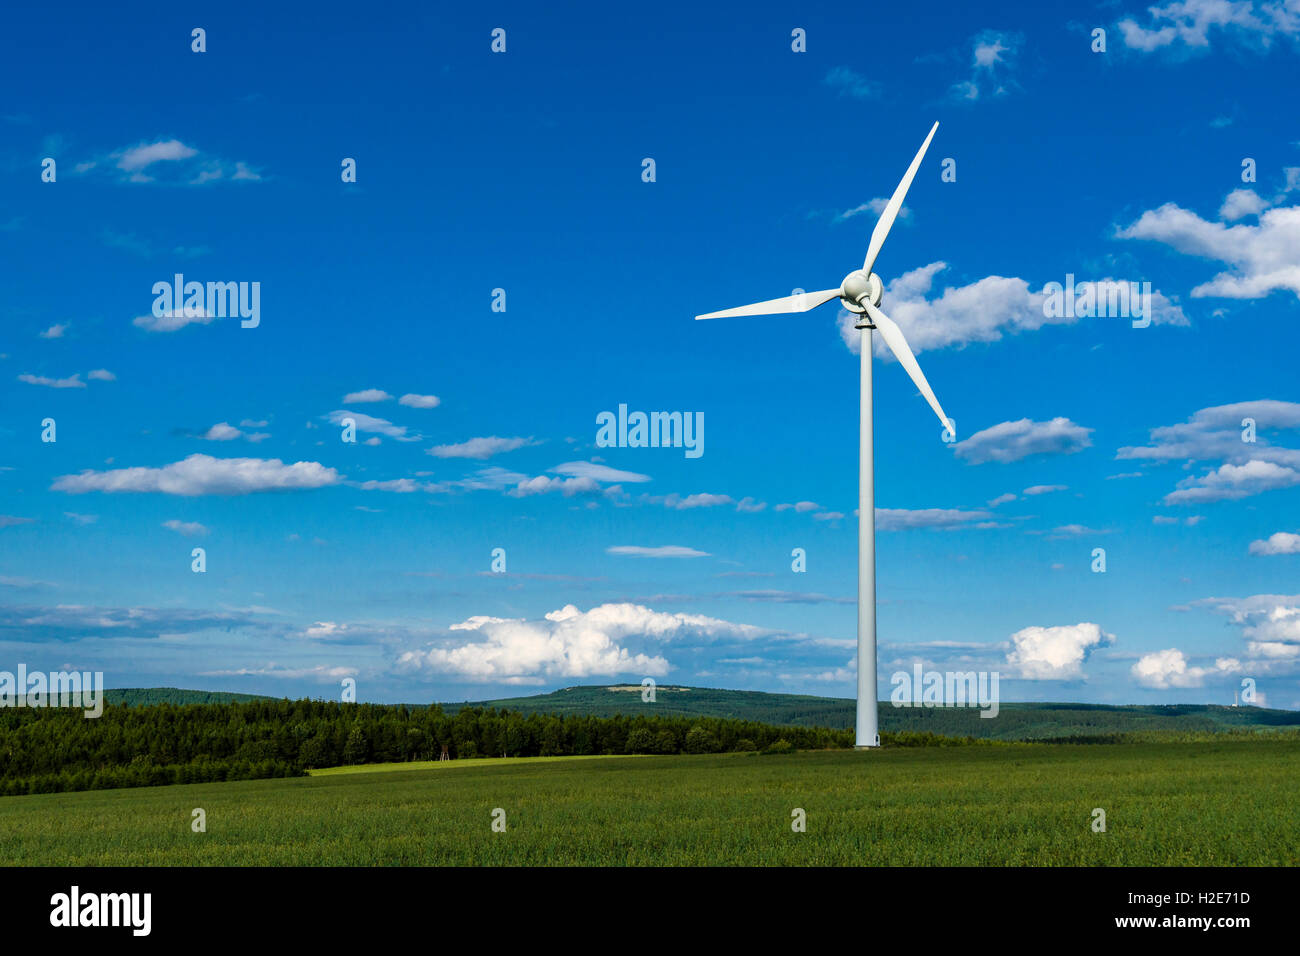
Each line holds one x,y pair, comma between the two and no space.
412,400
72,381
55,331
204,475
981,311
1270,625
662,551
577,478
1189,24
169,161
1044,489
402,485
1055,653
101,375
993,56
222,431
1238,435
1229,482
1242,203
173,320
189,529
902,519
598,472
1163,670
323,673
873,206
1261,258
369,423
569,643
479,448
1284,542
1012,441
366,395
146,154
699,500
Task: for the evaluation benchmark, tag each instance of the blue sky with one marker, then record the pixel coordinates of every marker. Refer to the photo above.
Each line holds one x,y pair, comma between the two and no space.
523,171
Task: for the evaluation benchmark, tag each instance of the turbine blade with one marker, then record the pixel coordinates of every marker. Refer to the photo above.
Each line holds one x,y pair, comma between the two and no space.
791,303
893,337
890,213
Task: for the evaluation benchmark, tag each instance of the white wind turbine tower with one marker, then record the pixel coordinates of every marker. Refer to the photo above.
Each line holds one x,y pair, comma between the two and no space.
860,292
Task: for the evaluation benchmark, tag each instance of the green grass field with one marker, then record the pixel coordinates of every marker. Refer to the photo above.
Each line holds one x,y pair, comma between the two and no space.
1230,803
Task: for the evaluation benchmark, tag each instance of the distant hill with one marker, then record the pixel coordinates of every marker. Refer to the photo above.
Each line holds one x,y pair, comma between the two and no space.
1033,721
146,696
1030,721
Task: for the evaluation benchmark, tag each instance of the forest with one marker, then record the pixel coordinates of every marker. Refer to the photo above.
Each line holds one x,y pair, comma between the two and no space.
52,750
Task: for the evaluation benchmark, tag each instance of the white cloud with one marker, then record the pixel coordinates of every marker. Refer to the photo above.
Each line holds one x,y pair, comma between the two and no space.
1241,203
479,448
1162,670
901,519
545,484
170,161
411,400
320,672
401,486
993,55
101,375
1217,433
1074,531
1261,259
1012,441
598,472
799,507
1001,500
171,321
72,381
369,423
663,551
146,154
1191,22
222,431
204,475
189,529
981,311
55,331
569,643
1284,542
875,207
1044,489
367,395
1270,625
1230,482
1055,653
698,500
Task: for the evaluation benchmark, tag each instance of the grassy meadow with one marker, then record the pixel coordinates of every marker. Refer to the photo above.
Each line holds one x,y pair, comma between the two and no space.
1204,803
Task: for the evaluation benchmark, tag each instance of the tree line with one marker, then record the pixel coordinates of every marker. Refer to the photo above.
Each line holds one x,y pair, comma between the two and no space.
48,750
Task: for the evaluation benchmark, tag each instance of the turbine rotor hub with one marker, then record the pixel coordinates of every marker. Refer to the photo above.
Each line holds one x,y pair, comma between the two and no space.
858,287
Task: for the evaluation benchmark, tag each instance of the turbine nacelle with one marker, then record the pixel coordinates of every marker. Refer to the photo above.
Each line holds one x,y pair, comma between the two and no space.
859,287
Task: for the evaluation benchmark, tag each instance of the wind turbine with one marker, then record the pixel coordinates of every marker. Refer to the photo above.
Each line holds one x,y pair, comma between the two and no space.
860,293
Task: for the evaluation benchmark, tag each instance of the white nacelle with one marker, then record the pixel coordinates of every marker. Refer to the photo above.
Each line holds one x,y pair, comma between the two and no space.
857,285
